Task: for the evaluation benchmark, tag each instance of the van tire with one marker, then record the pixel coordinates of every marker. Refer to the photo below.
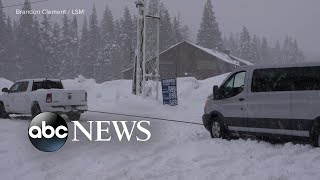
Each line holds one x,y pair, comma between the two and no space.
35,110
3,113
218,128
315,133
74,116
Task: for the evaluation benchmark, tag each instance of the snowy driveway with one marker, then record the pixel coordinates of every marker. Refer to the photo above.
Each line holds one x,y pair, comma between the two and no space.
176,151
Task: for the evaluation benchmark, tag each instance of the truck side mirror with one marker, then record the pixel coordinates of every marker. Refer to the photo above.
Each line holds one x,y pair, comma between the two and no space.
215,92
5,90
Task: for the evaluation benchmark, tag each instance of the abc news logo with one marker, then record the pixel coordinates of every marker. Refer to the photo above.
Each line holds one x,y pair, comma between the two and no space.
48,132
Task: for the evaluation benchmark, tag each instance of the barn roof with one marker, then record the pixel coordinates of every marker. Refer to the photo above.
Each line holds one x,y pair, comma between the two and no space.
218,54
241,60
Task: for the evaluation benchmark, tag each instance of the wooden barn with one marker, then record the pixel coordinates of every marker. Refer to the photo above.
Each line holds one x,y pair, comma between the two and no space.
186,59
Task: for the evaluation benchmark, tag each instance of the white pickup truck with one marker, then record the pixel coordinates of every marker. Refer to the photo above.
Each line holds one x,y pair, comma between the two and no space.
33,96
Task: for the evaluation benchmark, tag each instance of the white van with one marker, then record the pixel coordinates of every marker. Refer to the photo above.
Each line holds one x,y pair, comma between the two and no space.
281,101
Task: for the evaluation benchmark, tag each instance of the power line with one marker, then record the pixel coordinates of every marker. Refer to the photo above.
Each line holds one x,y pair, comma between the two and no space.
146,117
34,2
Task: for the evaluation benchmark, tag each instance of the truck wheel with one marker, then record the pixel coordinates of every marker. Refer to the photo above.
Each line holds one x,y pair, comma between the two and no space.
3,113
74,116
218,129
35,110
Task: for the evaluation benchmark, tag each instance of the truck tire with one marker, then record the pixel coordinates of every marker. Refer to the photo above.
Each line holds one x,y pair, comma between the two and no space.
35,110
74,116
3,113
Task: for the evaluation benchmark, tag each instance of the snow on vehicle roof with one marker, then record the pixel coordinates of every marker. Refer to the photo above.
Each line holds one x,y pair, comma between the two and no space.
284,65
39,79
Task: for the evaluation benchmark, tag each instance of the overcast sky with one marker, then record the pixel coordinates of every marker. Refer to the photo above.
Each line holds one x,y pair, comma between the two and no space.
271,18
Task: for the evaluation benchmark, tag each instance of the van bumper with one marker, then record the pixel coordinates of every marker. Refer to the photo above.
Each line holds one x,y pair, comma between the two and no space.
206,121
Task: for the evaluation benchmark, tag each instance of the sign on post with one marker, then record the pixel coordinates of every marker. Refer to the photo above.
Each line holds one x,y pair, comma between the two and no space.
169,91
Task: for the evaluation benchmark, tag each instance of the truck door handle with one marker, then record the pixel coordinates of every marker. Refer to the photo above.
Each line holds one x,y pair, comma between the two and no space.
242,99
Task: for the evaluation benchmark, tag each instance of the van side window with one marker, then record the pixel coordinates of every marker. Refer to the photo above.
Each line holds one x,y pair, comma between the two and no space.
306,78
268,80
233,86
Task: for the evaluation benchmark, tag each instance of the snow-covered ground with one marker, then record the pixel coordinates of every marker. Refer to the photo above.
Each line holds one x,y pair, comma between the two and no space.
175,151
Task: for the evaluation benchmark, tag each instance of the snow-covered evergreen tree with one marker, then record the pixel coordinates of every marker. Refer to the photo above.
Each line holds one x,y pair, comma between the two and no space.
75,47
233,45
29,56
94,40
83,52
255,50
55,61
265,52
3,30
7,46
276,54
177,30
245,48
165,28
46,43
67,50
291,52
209,35
127,35
103,67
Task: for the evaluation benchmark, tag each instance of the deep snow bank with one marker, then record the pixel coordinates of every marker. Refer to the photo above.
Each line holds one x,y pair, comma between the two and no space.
116,96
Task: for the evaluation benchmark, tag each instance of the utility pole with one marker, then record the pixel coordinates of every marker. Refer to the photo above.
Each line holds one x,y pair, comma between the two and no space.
144,75
139,68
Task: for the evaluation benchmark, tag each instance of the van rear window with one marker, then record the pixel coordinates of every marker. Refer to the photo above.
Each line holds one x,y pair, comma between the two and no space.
306,78
47,84
286,79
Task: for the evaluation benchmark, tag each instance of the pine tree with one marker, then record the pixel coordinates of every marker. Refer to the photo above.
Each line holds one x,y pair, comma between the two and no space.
180,32
46,43
265,51
74,47
28,50
255,50
10,66
233,45
127,39
94,39
209,35
5,49
177,30
245,48
74,29
3,26
84,48
104,66
54,63
276,53
66,55
297,52
165,28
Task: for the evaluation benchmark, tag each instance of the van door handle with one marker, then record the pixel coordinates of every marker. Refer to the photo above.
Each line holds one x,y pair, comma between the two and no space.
242,99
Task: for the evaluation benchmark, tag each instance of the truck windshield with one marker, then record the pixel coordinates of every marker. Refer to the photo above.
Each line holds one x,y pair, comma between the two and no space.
47,85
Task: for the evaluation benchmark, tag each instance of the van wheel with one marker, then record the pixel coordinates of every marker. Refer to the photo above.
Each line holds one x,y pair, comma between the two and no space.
218,129
74,116
3,113
35,110
315,134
